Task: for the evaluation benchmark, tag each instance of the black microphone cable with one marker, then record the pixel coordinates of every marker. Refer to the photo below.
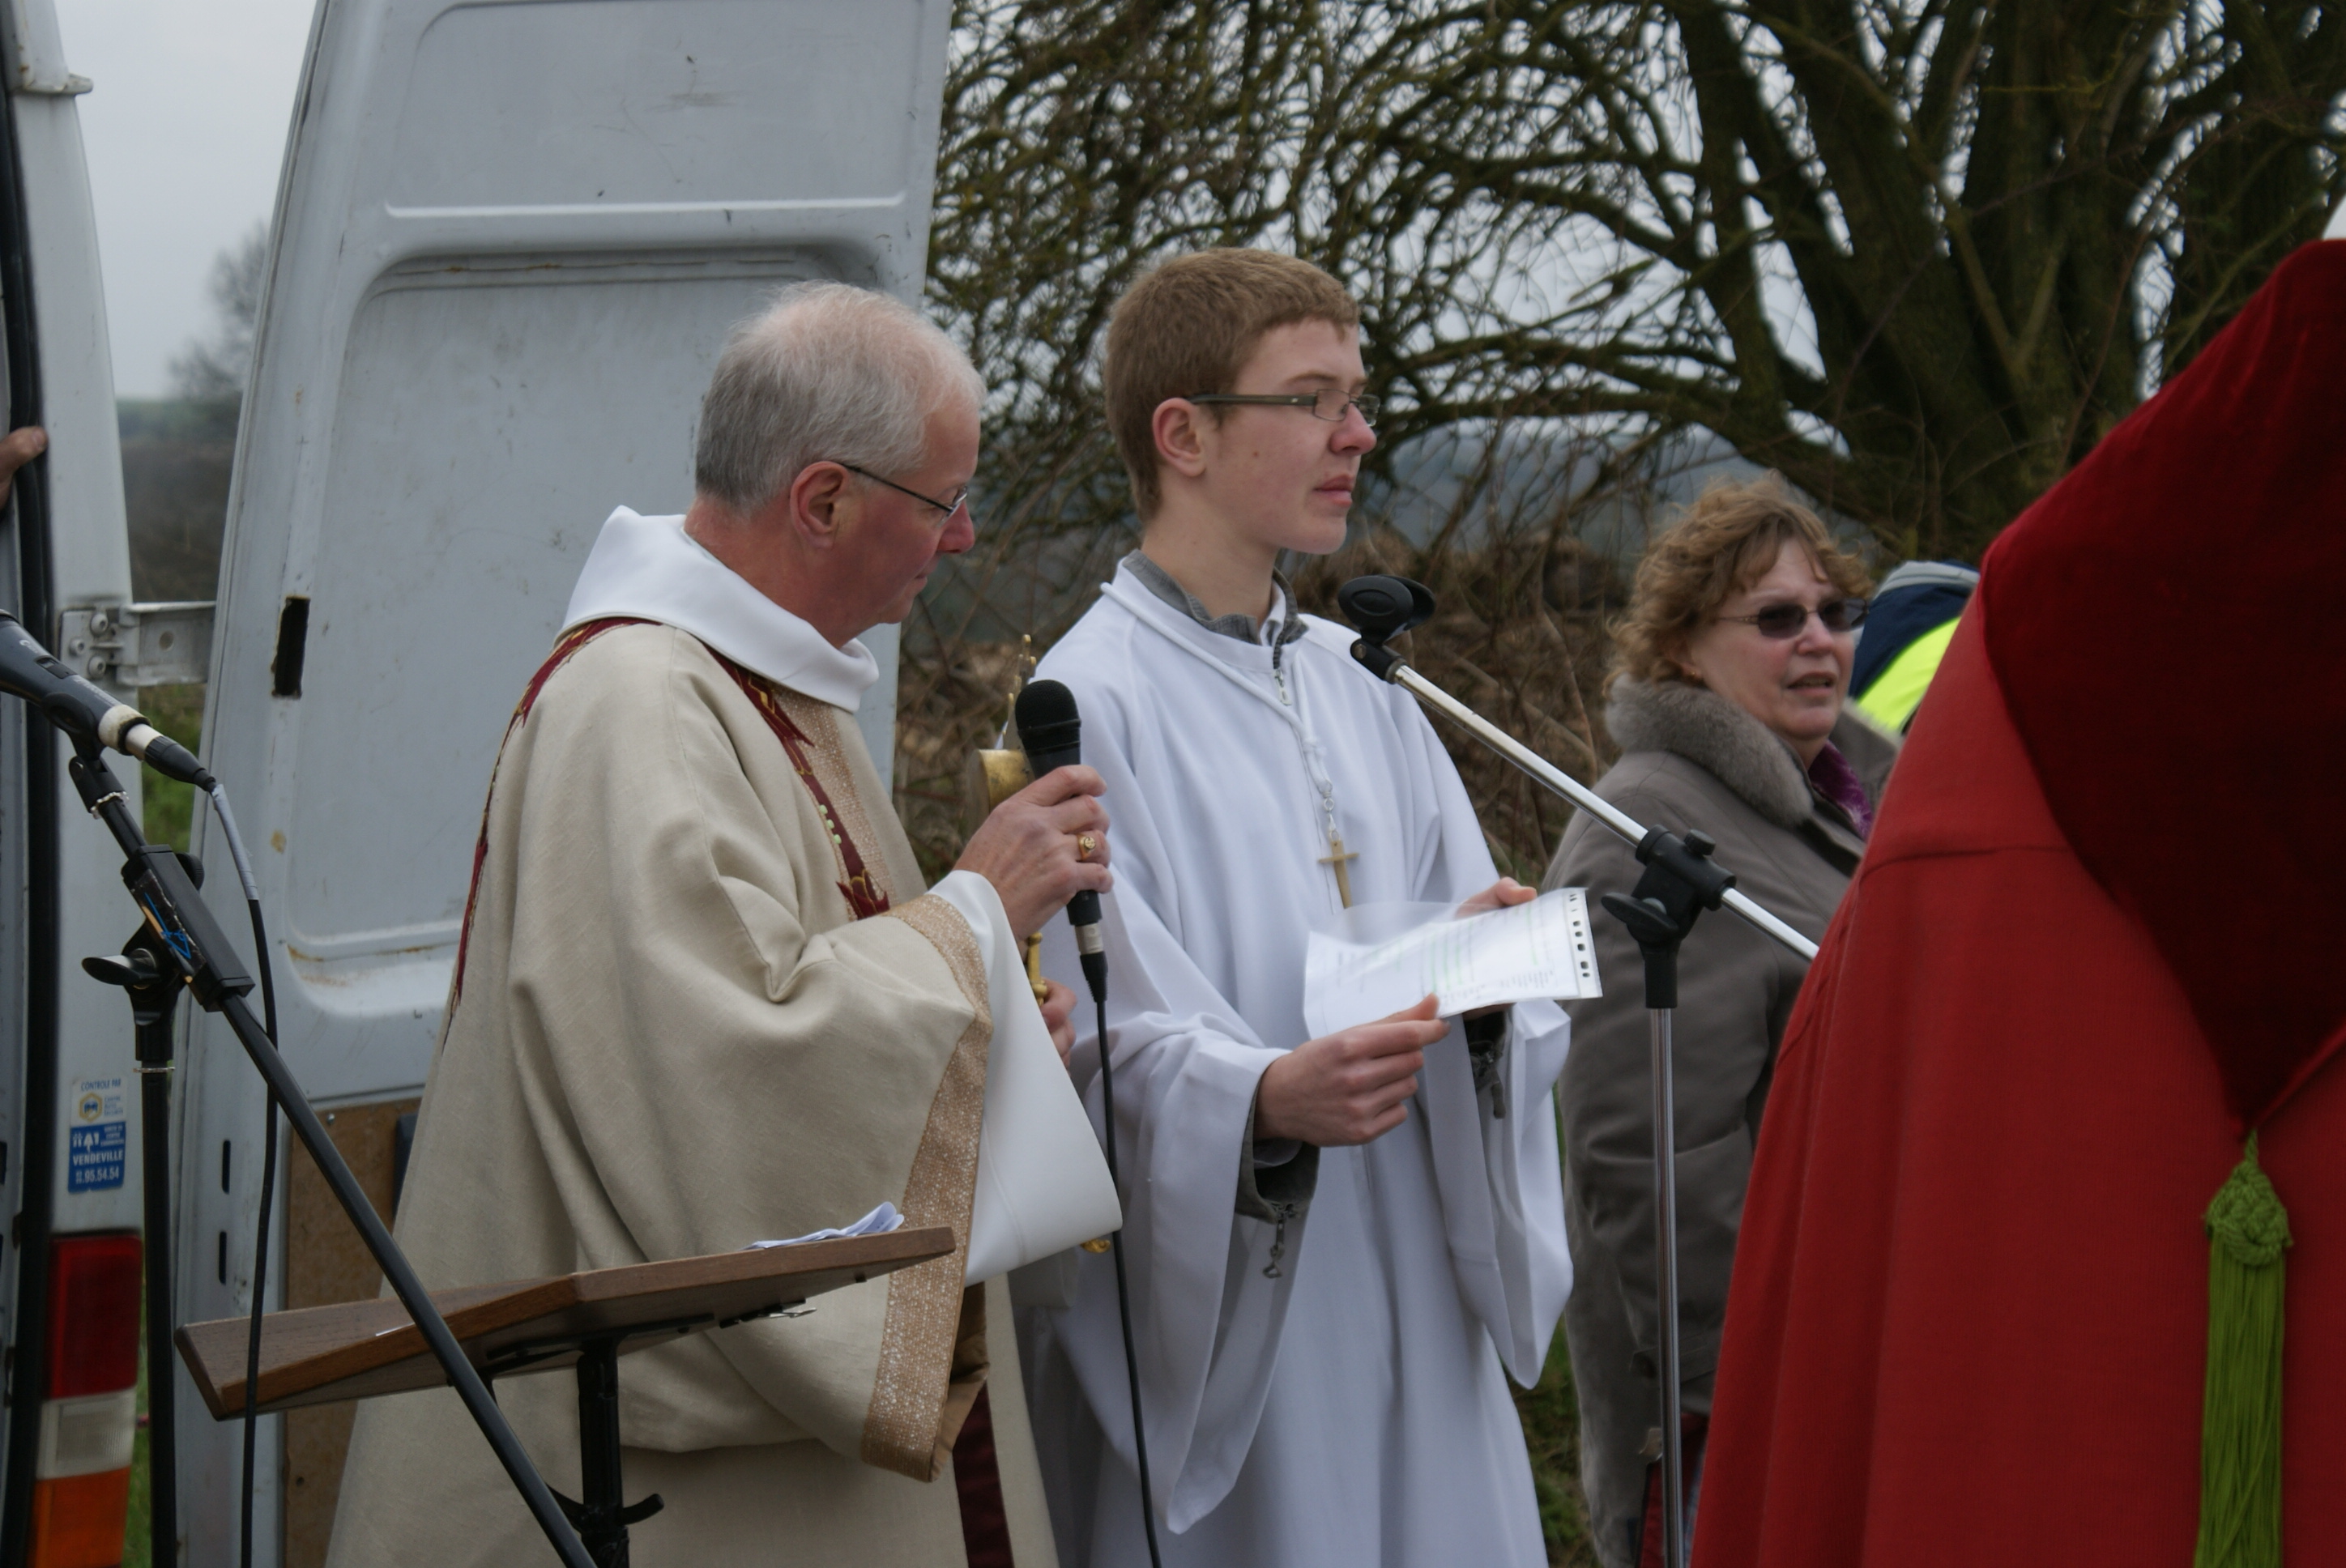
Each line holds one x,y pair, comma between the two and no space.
1050,731
1096,975
267,971
260,1250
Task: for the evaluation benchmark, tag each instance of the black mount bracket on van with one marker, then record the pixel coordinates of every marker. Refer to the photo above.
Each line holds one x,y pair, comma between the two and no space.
208,964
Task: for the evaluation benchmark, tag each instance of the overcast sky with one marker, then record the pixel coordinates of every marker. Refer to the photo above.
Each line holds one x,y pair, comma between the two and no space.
185,129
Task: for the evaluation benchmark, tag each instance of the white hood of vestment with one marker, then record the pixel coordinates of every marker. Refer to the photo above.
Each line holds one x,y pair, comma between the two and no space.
649,568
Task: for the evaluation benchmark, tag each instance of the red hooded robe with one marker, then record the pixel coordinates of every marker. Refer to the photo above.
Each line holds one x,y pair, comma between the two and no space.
2100,931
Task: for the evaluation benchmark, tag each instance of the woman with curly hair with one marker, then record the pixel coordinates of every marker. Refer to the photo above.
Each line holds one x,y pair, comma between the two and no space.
1725,699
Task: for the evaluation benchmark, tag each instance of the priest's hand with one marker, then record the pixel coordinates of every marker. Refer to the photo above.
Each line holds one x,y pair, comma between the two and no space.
1032,847
1499,895
1351,1086
1058,1016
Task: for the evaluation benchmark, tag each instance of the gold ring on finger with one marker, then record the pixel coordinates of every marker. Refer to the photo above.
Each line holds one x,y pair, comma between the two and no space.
1087,846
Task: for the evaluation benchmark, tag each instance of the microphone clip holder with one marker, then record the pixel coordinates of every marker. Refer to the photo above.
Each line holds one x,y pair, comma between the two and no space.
187,938
1680,881
1380,610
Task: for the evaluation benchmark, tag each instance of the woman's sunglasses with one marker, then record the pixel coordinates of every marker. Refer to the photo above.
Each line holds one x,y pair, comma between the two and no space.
1778,622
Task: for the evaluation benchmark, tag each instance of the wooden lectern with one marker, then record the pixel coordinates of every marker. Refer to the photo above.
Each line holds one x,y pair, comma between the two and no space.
359,1349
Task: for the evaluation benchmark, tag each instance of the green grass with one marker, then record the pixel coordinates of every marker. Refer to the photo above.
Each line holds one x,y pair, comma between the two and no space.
179,712
1551,1418
135,1523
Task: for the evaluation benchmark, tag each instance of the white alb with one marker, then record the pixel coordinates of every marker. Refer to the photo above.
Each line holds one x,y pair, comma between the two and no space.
1353,1410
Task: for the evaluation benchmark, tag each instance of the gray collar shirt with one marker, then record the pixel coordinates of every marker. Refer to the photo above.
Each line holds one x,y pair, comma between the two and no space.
1276,630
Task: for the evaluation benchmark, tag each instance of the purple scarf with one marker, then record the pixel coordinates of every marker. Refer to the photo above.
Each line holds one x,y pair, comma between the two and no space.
1837,781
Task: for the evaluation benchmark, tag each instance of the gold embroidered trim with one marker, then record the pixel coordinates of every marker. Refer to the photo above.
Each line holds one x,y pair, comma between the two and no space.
916,1408
818,721
950,934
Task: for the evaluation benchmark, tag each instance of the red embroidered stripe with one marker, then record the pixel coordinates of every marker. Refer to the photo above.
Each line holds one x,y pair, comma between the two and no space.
864,896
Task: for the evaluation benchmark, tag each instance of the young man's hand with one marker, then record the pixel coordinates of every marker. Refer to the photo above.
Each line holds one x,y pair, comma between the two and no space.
1351,1086
1033,848
1058,1017
1500,894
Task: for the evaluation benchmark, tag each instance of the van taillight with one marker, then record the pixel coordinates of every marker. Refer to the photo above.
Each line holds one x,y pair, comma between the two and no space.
89,1412
93,1315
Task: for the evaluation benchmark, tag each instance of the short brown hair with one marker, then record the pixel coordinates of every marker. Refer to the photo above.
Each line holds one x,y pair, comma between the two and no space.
1189,326
1722,544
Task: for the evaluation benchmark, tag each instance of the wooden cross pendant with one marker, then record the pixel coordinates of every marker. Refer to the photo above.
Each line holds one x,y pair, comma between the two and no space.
1336,857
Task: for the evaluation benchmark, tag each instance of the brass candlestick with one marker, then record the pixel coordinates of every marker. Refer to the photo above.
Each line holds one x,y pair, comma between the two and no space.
1007,773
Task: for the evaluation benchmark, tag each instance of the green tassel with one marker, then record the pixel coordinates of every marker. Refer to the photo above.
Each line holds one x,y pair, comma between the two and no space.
2239,1431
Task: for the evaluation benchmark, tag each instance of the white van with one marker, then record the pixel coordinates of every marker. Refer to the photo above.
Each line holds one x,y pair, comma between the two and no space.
509,241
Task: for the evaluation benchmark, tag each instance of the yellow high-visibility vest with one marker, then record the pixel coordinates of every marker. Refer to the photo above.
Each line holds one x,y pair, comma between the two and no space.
1898,690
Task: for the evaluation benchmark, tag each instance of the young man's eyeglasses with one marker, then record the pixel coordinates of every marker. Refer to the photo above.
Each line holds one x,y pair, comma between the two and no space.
958,504
1778,622
1328,402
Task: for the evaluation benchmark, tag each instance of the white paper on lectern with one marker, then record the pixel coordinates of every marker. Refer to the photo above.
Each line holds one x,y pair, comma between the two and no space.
1042,1182
879,1221
1383,958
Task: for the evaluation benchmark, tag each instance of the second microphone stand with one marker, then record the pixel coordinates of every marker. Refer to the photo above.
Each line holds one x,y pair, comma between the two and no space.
1679,881
1660,913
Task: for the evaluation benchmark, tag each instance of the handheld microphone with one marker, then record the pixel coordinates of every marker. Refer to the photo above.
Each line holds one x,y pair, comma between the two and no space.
79,707
1052,734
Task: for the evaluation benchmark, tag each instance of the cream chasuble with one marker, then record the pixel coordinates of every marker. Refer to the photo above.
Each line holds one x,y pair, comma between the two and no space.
702,1001
1345,1404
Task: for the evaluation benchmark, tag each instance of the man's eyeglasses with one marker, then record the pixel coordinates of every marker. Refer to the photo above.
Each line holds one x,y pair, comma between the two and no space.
1328,402
958,504
1778,622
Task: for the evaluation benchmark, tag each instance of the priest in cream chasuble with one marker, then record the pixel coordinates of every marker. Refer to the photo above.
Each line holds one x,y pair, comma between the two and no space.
703,1001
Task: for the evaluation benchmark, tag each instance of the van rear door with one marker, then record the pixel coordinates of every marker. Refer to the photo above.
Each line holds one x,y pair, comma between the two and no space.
69,1176
510,238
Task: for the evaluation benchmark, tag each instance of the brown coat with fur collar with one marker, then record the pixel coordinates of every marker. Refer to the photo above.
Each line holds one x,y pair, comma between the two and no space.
1690,759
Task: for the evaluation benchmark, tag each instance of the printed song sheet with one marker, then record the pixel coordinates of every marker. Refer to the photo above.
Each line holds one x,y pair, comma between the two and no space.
1533,949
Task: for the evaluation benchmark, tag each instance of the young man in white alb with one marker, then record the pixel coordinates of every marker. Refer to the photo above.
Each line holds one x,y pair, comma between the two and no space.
1339,1248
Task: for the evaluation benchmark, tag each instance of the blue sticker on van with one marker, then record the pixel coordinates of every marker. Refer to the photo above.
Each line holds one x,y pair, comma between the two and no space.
93,1157
97,1139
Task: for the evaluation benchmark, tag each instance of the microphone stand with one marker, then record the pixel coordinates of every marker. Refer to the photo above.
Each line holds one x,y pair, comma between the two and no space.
1680,881
144,972
201,957
1660,913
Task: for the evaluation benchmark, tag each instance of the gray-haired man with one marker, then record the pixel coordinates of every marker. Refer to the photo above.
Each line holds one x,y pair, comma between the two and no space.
703,999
